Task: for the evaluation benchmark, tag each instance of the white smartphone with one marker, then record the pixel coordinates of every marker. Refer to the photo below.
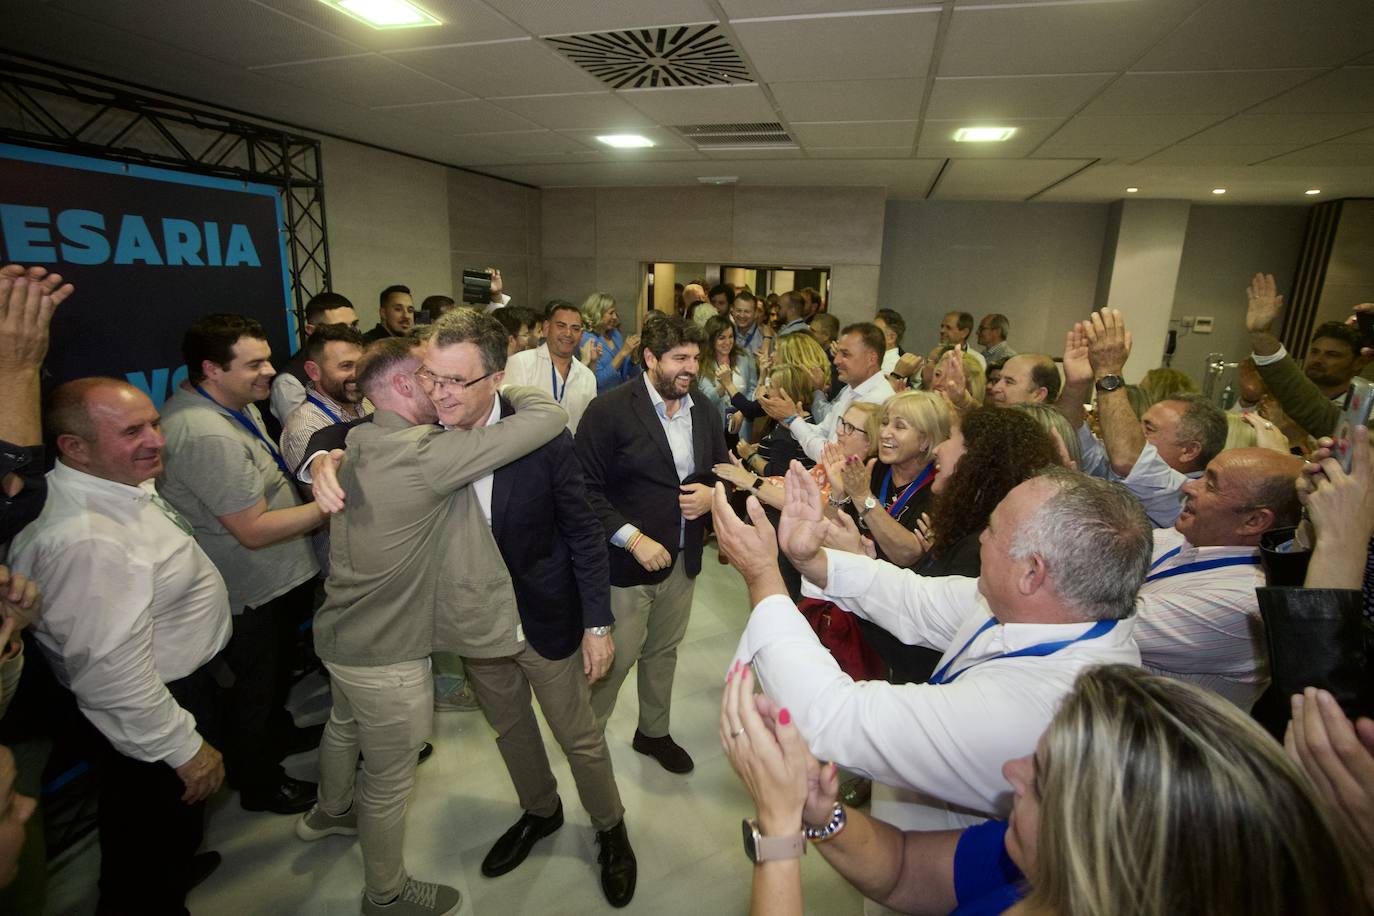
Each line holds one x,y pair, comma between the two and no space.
1356,413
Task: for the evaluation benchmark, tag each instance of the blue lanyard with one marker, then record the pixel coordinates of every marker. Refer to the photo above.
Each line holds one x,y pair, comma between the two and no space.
328,411
750,338
927,474
553,371
247,423
1195,567
942,676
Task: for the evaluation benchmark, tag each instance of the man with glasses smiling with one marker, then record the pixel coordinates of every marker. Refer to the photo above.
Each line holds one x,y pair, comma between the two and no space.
553,367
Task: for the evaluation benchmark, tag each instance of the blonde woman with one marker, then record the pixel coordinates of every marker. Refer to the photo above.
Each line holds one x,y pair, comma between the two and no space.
604,348
1146,796
802,350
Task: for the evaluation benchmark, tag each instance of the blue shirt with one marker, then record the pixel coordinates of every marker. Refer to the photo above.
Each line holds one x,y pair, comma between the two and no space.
607,375
986,881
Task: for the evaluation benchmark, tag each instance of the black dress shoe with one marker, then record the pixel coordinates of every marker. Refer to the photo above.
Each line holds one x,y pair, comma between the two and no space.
203,865
665,750
291,796
515,844
619,870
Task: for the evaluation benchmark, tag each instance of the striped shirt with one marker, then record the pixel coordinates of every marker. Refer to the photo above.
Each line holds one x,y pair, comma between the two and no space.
1204,626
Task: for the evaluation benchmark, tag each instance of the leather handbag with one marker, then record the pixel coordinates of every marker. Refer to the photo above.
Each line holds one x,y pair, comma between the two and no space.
839,632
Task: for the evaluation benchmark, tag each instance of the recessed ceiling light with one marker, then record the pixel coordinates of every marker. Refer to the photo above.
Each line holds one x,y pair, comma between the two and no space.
1218,190
1132,190
625,141
1312,192
718,179
983,134
385,14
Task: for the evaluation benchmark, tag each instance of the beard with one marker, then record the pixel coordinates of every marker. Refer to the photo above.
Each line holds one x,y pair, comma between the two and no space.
667,386
343,392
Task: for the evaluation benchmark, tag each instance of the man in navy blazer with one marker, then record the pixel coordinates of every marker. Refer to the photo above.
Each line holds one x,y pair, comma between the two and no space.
646,449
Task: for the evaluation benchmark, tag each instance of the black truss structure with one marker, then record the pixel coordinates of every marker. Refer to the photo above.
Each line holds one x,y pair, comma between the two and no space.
54,109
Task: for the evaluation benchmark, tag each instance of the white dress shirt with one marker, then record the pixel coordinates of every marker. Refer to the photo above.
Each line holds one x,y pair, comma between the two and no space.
1204,626
890,357
947,741
678,429
534,368
131,604
812,437
1158,486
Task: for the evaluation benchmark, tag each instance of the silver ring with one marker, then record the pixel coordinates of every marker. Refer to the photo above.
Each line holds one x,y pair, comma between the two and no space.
737,734
1269,426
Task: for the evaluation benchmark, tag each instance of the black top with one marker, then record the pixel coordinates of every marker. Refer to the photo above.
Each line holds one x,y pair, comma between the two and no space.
910,513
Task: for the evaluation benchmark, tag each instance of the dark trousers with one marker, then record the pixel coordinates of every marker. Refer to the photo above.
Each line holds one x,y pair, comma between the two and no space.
148,835
259,655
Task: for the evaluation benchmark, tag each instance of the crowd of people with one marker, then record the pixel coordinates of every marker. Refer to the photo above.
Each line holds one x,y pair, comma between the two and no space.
1032,610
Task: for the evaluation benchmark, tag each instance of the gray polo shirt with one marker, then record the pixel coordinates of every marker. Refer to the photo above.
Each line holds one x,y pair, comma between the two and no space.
215,467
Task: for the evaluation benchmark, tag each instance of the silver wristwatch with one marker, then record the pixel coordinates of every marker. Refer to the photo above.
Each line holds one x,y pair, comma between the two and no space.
599,631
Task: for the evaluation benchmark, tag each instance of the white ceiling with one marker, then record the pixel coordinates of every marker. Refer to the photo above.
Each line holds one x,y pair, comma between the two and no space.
1263,97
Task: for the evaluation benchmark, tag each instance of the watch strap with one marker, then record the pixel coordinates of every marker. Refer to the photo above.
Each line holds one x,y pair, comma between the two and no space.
762,848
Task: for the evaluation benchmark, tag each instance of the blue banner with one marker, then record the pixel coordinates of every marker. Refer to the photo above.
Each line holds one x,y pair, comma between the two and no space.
150,250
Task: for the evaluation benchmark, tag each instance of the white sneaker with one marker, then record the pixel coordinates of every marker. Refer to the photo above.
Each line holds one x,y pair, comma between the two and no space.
418,898
315,824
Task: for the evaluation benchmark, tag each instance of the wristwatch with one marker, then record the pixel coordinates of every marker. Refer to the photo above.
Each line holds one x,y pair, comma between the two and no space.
758,482
1109,383
760,848
870,503
599,631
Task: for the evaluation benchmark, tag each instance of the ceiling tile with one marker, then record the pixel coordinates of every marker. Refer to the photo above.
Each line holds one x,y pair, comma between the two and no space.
1222,92
1158,130
855,133
501,68
1199,154
1364,136
742,9
1006,40
471,116
857,47
937,139
1280,129
1001,179
244,34
1104,152
1349,89
1327,154
1255,34
859,100
463,21
863,152
760,152
702,104
511,145
544,18
370,80
1012,96
593,110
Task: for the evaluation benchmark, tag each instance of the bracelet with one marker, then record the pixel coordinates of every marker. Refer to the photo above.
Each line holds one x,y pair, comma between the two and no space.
633,541
788,421
836,503
758,482
832,827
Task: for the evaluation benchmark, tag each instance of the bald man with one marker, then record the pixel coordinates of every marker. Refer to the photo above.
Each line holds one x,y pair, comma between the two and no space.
135,611
1199,619
1029,378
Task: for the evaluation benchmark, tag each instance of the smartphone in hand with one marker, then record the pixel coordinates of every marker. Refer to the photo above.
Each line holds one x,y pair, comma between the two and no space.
1356,413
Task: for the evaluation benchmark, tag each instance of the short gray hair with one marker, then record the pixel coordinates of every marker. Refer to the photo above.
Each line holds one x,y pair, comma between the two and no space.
1095,541
1202,422
467,325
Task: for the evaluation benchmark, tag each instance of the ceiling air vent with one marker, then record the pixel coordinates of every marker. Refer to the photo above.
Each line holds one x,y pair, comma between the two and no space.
758,133
679,55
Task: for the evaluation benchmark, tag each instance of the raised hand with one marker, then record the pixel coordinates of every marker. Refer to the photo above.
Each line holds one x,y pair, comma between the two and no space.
1263,303
1109,343
770,757
803,527
843,534
28,298
778,404
1078,369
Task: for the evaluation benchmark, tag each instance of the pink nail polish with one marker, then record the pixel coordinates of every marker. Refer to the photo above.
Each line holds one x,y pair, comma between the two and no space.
784,717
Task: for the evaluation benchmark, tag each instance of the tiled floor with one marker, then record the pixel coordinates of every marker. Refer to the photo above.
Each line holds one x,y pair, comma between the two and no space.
685,829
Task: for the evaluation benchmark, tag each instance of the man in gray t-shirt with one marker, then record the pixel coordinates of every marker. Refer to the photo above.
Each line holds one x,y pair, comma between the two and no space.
225,475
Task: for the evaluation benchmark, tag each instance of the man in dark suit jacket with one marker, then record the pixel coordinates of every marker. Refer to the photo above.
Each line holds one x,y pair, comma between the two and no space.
645,449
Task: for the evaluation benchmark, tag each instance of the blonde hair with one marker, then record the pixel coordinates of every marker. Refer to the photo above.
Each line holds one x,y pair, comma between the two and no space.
1159,798
872,427
1165,384
975,378
1239,434
926,411
796,381
800,349
594,307
1053,422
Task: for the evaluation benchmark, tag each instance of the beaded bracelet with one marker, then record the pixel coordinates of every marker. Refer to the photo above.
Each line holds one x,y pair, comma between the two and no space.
834,826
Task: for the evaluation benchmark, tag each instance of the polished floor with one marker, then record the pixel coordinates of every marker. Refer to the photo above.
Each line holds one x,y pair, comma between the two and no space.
685,829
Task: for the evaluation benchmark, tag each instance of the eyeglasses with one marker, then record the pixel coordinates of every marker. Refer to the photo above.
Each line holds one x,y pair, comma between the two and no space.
845,428
564,326
432,381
